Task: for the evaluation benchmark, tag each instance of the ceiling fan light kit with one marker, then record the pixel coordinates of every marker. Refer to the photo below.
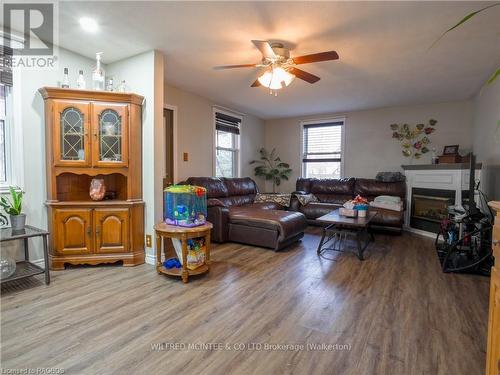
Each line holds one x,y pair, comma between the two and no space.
280,70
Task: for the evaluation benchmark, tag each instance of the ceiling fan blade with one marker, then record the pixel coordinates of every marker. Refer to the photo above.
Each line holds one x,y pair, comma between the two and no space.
316,57
220,67
265,48
308,77
256,84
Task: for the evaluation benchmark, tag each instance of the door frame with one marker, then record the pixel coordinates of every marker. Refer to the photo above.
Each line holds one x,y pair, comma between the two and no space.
174,109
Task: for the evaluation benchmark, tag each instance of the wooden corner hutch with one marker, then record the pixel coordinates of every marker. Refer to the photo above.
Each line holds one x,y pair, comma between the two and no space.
94,134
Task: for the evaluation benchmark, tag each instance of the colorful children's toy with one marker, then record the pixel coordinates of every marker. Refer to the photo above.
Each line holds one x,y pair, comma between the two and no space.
185,205
196,251
172,263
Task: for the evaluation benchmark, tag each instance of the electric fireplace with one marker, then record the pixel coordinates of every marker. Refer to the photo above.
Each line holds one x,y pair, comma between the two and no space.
429,207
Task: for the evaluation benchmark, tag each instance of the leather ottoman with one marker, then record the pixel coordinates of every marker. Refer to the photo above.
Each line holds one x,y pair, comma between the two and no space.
266,228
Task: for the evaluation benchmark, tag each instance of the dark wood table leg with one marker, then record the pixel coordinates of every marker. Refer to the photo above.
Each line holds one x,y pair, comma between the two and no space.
45,258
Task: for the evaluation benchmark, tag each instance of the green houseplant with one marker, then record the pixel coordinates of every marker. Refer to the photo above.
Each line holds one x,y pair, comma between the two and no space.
271,167
13,207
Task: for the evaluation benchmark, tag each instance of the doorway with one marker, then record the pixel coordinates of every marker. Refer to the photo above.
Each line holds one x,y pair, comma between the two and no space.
168,123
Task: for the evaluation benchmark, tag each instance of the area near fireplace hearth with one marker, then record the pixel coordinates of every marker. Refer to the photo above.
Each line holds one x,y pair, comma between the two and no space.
431,189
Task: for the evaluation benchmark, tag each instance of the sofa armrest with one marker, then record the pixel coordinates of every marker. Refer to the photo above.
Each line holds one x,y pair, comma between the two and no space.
219,217
214,202
294,202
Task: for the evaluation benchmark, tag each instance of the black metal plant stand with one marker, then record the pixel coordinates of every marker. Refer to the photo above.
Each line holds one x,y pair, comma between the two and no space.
25,268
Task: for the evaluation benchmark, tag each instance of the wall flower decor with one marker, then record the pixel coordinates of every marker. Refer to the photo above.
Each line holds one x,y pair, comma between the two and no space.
415,140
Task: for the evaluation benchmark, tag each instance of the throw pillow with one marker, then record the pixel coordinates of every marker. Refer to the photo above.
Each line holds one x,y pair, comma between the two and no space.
282,199
306,198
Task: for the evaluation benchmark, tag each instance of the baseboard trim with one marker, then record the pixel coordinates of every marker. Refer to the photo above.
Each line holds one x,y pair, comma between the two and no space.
38,262
420,232
150,259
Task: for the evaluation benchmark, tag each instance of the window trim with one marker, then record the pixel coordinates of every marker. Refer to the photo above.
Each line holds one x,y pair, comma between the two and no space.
237,150
320,121
15,155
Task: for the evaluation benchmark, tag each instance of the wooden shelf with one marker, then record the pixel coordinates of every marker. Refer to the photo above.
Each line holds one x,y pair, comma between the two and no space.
108,202
178,271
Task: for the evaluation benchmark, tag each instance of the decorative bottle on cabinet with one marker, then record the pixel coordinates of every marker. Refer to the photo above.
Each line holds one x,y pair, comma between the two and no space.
94,135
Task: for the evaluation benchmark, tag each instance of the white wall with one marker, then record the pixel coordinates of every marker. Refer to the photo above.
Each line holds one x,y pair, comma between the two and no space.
487,137
369,147
195,135
29,116
143,75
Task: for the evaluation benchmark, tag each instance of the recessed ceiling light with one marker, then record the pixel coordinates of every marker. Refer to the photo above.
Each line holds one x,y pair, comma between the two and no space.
89,24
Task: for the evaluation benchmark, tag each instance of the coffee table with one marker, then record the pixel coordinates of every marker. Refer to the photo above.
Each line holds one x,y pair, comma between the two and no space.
337,226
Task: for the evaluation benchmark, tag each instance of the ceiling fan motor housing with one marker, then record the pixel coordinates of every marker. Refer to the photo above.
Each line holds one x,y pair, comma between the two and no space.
280,50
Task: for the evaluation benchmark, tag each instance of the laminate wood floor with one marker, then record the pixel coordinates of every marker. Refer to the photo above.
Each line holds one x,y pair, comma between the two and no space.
394,313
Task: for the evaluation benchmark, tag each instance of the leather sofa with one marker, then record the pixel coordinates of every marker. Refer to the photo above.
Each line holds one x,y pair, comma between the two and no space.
333,193
236,218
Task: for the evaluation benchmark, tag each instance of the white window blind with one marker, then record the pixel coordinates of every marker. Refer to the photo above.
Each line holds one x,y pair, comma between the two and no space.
322,150
227,129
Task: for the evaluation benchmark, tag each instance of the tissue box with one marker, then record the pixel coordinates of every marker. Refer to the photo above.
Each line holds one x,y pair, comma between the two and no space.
348,212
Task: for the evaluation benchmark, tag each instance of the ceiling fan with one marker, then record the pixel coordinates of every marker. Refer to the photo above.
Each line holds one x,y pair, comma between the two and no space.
280,68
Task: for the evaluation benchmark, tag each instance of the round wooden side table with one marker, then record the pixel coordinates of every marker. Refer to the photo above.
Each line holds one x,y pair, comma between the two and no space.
183,234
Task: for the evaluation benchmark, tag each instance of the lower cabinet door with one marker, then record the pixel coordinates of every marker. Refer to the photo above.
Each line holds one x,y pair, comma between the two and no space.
111,230
73,231
493,351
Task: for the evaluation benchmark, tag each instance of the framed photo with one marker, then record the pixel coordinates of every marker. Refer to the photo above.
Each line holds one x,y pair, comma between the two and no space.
450,150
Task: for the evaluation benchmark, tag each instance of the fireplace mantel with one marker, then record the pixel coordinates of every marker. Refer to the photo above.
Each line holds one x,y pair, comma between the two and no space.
451,177
447,166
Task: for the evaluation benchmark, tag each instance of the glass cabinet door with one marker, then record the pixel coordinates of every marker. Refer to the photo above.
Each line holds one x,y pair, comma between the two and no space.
71,134
110,135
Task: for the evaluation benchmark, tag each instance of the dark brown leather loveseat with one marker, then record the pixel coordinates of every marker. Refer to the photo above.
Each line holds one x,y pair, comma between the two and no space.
333,193
236,218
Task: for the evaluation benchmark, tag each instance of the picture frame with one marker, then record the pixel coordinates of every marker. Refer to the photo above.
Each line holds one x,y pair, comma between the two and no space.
450,150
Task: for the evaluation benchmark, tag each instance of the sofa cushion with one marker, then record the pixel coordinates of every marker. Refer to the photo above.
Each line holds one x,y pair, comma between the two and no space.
240,186
342,186
240,200
216,188
387,218
334,198
314,210
286,223
304,185
370,189
266,206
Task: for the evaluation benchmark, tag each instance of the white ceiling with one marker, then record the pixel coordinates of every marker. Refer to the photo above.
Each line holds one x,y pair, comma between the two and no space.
385,58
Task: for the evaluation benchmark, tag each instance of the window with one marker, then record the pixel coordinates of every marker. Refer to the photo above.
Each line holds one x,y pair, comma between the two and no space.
227,145
5,112
322,149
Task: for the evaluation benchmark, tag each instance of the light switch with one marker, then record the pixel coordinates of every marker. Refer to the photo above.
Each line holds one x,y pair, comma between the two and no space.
148,240
186,156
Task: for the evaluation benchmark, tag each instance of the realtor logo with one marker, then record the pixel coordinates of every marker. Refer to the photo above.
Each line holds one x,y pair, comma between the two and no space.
29,32
36,23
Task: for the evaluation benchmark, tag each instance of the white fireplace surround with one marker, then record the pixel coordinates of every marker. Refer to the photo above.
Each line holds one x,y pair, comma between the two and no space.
440,176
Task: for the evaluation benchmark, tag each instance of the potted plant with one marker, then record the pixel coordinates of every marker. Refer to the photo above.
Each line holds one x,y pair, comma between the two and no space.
13,208
271,167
